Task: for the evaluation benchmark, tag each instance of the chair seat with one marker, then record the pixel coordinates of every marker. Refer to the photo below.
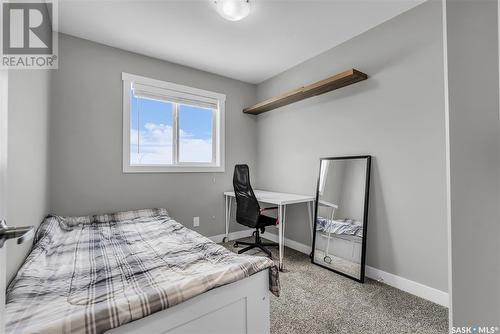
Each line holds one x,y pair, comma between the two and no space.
266,221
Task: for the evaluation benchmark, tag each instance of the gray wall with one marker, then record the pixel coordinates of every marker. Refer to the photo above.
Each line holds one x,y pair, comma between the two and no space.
474,161
333,186
396,116
27,163
353,190
86,138
345,186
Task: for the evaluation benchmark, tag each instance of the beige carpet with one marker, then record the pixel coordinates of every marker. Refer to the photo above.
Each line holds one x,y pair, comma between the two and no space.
316,300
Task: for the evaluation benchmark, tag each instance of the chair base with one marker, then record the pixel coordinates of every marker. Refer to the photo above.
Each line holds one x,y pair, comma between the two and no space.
257,244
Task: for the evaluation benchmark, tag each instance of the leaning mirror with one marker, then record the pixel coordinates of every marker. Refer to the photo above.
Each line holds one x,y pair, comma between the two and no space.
341,211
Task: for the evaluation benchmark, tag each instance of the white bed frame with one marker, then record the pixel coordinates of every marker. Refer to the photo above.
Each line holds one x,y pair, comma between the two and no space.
239,307
345,246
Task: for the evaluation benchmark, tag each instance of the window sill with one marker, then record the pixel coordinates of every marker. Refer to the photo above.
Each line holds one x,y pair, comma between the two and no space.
173,169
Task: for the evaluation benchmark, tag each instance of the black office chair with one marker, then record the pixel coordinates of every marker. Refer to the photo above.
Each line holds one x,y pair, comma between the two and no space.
248,211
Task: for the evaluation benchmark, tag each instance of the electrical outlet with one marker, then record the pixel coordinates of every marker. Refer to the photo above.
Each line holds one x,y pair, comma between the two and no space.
196,221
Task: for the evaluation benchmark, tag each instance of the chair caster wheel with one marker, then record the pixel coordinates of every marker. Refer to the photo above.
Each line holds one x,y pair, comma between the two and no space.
236,245
254,233
225,239
327,259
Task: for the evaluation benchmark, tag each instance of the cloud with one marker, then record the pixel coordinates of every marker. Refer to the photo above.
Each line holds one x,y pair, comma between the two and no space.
195,150
153,135
153,145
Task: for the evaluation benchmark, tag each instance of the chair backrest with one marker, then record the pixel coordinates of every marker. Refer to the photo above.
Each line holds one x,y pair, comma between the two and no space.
247,206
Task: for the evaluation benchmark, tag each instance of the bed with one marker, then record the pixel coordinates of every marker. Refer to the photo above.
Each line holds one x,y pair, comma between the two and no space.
136,272
344,226
342,237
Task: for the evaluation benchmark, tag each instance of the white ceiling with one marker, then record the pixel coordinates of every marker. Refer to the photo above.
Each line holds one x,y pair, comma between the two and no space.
276,36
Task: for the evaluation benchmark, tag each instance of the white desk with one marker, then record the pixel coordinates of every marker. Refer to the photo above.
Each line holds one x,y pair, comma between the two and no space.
282,200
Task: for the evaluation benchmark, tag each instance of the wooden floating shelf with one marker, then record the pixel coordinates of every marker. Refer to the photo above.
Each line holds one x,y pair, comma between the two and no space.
337,81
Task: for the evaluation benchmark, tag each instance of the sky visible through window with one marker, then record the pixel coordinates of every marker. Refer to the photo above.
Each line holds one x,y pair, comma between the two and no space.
195,124
151,132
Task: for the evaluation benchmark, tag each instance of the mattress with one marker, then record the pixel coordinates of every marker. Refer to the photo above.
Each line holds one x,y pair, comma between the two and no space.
93,273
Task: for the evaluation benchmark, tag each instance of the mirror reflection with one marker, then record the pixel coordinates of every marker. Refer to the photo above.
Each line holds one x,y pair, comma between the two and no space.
340,222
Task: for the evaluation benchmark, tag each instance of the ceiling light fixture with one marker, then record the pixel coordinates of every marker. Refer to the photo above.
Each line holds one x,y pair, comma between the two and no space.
233,10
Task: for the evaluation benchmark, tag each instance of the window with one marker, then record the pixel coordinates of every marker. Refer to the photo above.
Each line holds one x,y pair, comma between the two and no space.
171,128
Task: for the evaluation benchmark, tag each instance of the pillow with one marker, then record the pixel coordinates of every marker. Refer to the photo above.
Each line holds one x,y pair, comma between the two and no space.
68,222
129,215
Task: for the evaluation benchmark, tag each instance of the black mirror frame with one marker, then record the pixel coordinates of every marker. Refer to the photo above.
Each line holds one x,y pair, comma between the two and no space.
368,158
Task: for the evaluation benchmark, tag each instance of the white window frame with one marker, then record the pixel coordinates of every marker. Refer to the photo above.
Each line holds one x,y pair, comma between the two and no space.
180,91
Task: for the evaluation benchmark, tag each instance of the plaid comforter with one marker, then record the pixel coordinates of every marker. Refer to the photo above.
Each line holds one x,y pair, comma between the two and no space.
90,274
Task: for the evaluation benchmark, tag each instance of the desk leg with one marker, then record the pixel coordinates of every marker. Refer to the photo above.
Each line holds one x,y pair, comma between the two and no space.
227,203
310,208
281,235
283,231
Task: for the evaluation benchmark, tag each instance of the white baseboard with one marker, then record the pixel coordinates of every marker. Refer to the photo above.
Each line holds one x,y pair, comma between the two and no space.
300,247
398,282
232,236
415,288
